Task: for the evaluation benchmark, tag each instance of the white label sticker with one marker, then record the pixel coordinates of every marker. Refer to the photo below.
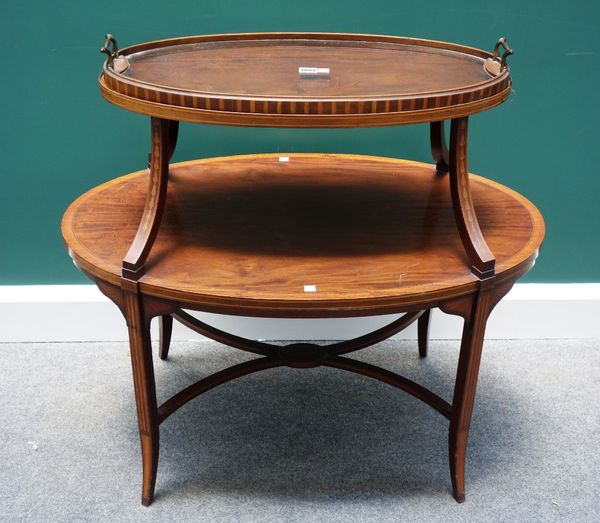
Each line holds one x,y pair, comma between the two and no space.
313,71
310,288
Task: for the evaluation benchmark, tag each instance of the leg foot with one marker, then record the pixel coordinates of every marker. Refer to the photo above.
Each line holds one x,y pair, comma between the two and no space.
150,450
457,446
460,498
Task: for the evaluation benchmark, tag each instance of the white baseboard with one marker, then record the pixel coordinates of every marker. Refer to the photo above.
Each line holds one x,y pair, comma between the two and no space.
81,313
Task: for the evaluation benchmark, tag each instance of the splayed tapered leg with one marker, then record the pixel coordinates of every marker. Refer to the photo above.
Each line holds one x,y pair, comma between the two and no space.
144,386
464,389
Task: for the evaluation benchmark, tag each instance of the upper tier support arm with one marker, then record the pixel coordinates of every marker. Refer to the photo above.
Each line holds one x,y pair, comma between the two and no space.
482,260
164,137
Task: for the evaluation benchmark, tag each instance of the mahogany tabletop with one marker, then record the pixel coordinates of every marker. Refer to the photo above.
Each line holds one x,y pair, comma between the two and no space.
351,80
302,235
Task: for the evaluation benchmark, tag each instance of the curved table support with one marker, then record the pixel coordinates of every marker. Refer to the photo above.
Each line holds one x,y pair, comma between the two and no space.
299,355
439,149
482,260
266,349
231,340
343,347
189,393
163,141
391,378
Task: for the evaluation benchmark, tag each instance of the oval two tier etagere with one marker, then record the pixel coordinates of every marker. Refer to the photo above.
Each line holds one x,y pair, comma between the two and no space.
236,235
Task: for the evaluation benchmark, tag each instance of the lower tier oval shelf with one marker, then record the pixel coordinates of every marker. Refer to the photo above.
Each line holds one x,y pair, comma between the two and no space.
305,235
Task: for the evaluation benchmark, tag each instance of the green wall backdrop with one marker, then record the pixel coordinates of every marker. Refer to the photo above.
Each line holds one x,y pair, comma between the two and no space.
60,138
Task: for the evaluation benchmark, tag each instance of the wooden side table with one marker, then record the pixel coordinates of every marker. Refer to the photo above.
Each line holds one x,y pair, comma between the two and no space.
304,235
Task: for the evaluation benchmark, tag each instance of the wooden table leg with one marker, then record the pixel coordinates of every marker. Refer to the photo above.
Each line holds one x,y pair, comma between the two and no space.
475,312
165,325
423,332
138,324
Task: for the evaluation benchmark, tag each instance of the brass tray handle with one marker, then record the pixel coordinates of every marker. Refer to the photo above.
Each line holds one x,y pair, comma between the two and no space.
110,39
115,60
496,65
507,51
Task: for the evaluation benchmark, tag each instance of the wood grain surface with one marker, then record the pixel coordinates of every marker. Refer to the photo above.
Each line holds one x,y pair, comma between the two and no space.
246,234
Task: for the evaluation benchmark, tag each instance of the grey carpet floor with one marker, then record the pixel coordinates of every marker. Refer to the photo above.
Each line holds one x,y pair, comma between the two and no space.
300,445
